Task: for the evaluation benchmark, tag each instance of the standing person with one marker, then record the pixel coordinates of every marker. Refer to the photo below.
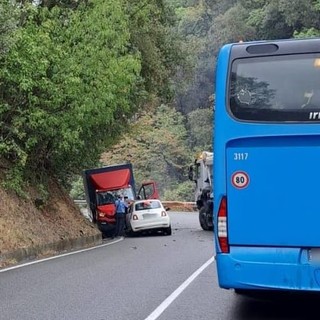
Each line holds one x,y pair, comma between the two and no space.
121,208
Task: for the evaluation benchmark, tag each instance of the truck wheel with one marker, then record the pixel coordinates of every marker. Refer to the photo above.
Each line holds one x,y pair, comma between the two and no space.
203,219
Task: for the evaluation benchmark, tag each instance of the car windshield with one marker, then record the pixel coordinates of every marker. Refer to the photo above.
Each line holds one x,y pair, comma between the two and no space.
145,205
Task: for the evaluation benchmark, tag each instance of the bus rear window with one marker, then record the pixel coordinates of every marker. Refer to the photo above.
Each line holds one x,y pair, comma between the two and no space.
276,88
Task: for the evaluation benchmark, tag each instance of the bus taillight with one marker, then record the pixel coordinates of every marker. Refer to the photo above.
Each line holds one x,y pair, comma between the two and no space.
222,226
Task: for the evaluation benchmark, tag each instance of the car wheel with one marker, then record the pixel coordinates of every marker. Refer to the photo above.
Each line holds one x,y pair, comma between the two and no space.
168,231
130,232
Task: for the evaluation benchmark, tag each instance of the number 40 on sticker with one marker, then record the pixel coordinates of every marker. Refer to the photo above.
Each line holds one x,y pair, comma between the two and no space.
240,179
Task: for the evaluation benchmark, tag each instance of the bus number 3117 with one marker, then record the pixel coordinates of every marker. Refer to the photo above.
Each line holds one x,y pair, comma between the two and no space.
240,156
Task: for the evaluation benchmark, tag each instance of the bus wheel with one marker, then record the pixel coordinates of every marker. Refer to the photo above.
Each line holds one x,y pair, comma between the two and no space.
239,291
203,219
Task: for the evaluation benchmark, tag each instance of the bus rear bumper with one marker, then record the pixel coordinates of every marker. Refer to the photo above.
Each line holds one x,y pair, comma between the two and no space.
268,269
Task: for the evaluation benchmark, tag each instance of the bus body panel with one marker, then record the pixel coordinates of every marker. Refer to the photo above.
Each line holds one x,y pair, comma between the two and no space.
273,222
268,268
281,202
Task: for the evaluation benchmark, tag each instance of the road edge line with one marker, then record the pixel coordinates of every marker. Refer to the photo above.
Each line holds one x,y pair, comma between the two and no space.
59,256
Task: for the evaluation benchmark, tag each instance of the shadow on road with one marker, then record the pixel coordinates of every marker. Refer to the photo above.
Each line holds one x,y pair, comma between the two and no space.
291,306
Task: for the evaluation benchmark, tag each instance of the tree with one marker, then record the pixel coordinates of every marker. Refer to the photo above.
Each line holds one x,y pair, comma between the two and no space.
66,88
157,149
279,19
200,124
194,84
8,23
152,36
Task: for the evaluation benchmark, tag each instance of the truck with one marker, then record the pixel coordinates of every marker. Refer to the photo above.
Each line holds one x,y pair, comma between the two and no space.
103,185
200,172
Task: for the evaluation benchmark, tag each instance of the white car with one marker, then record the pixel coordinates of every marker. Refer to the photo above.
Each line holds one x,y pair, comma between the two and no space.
148,215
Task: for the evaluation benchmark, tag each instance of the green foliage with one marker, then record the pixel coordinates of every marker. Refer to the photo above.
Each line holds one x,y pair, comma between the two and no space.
200,129
8,23
77,189
156,147
14,181
278,19
66,87
307,33
76,72
316,5
232,26
194,84
299,13
183,191
151,35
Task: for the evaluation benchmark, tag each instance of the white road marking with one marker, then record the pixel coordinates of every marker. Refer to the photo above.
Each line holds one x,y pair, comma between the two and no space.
175,294
60,256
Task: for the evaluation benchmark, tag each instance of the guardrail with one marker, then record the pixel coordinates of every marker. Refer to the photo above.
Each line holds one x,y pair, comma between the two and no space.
173,205
180,206
80,202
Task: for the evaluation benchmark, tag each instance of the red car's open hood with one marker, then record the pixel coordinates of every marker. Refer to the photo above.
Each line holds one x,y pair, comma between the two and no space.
111,180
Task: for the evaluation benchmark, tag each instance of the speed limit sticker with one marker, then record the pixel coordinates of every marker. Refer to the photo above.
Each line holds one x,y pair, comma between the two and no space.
240,179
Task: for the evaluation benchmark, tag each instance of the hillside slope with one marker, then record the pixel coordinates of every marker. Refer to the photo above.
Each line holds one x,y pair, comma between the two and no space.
25,225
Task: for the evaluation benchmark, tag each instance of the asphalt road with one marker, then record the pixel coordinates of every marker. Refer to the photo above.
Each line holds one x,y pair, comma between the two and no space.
143,278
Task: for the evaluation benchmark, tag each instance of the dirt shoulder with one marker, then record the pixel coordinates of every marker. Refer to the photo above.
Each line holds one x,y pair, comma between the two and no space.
25,225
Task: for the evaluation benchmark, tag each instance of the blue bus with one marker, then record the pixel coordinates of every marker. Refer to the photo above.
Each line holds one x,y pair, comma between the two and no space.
267,165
